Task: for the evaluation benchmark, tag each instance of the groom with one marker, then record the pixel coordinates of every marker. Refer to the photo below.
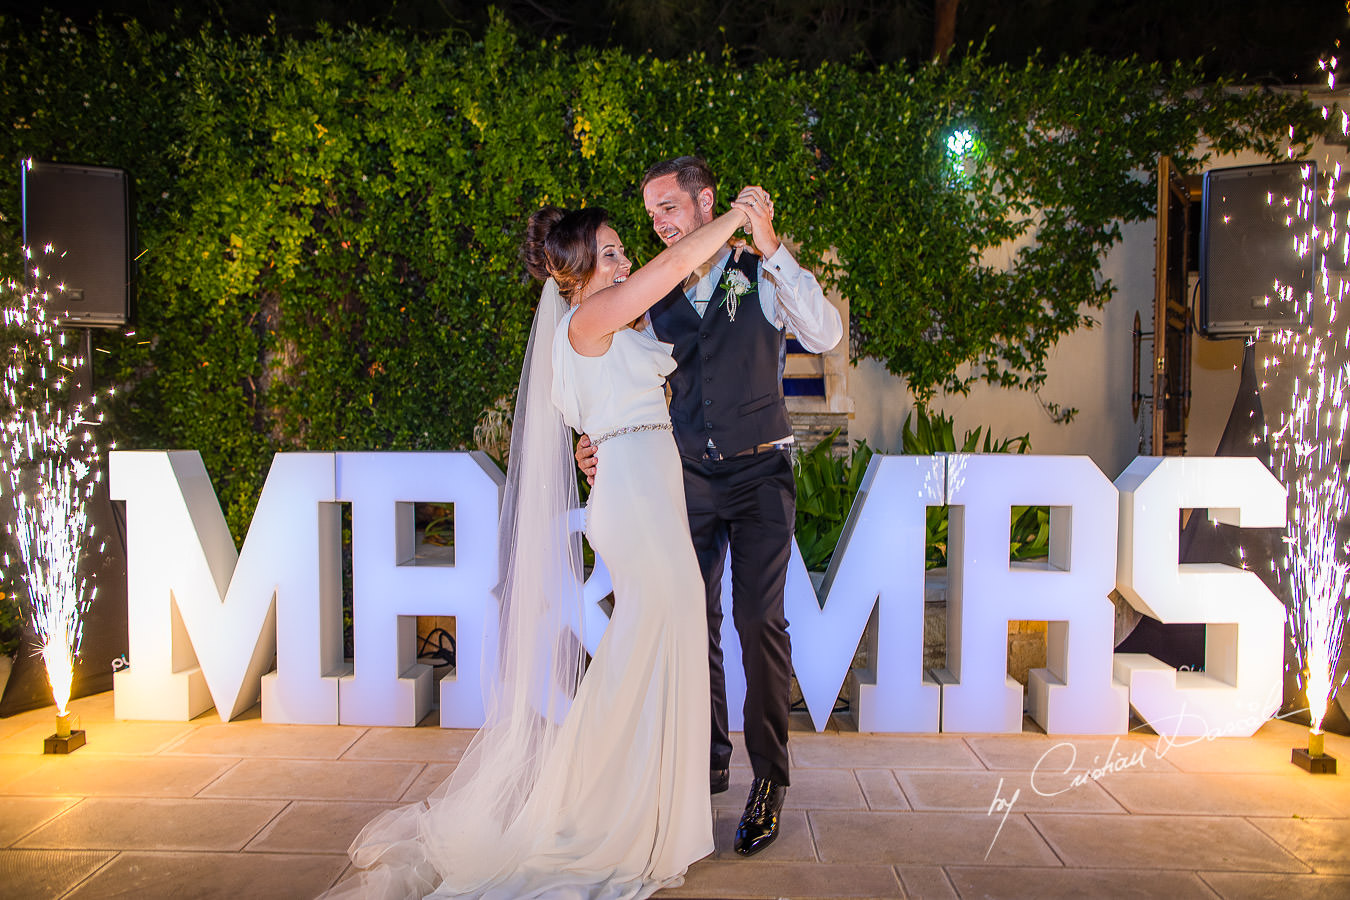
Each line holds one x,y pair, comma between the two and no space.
734,437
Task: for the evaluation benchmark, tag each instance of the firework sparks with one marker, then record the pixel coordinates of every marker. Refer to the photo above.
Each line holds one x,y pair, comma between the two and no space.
1306,448
51,470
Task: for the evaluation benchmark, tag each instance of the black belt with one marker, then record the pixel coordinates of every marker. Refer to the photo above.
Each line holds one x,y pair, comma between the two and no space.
712,454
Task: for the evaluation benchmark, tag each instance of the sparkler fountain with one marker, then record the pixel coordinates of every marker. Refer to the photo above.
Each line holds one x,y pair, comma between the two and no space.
1306,449
51,470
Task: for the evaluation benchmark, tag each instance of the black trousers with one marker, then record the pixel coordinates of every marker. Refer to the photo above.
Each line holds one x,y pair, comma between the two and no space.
749,503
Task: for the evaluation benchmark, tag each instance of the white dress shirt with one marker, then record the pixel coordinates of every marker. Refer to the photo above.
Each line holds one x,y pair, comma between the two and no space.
788,296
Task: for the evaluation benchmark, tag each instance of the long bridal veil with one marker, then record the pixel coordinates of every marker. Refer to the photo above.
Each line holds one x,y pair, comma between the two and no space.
471,831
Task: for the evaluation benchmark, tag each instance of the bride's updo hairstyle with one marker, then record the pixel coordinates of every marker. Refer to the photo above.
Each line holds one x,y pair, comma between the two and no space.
561,244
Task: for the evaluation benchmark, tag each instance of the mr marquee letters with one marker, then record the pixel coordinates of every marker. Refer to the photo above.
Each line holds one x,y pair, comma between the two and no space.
210,625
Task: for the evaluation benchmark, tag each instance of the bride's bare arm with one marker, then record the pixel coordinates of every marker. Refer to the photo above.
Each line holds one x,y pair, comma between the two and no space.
608,310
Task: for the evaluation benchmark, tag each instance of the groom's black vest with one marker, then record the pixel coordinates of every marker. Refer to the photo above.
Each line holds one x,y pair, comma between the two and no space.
727,384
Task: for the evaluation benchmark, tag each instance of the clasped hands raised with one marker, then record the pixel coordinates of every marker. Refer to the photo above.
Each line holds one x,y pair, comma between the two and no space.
755,202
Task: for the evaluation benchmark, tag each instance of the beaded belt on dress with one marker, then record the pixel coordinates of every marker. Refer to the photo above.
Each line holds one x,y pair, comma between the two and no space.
629,429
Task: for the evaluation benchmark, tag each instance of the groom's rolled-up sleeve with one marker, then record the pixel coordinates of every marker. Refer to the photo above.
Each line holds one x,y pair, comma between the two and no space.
800,304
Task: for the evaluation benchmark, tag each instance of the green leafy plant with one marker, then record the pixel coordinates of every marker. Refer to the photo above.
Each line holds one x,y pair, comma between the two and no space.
935,433
329,224
437,522
1030,534
826,486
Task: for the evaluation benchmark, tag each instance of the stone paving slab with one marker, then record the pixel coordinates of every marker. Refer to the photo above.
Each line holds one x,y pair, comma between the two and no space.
445,745
740,878
896,838
1164,842
1075,884
1026,791
211,876
251,809
1228,794
880,789
305,779
105,823
1243,755
1323,844
255,739
1038,752
1235,886
928,882
46,873
1268,748
427,781
309,826
881,751
109,776
120,738
21,815
14,724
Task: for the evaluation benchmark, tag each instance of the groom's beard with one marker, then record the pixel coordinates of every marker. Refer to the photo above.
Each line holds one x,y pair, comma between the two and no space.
682,233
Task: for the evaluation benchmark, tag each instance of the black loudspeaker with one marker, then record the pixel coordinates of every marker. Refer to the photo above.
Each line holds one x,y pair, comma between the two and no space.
84,213
1250,219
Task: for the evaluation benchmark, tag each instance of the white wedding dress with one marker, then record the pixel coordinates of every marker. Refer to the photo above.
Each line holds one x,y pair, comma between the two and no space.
640,753
619,808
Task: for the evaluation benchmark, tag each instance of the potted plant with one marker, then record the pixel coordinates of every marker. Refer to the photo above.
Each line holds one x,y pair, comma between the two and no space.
826,486
935,433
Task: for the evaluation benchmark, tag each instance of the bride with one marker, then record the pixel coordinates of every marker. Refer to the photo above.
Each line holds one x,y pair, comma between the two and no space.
593,787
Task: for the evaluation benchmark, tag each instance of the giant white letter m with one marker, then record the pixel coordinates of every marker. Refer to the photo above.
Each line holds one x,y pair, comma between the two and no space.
202,617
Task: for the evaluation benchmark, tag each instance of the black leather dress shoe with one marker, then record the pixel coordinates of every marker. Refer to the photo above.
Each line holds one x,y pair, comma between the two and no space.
759,825
719,780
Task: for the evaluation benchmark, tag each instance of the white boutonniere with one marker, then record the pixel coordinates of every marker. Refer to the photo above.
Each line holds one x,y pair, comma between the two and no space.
736,286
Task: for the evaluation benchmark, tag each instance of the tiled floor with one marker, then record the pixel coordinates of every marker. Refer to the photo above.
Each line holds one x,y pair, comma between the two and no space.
208,809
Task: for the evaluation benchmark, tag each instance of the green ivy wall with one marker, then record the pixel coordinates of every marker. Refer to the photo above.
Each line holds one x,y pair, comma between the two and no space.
329,227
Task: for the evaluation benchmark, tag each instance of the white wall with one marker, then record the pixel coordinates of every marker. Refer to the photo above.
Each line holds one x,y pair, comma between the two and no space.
1089,369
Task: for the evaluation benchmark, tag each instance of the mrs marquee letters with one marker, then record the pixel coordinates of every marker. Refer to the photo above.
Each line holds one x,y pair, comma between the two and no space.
212,626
